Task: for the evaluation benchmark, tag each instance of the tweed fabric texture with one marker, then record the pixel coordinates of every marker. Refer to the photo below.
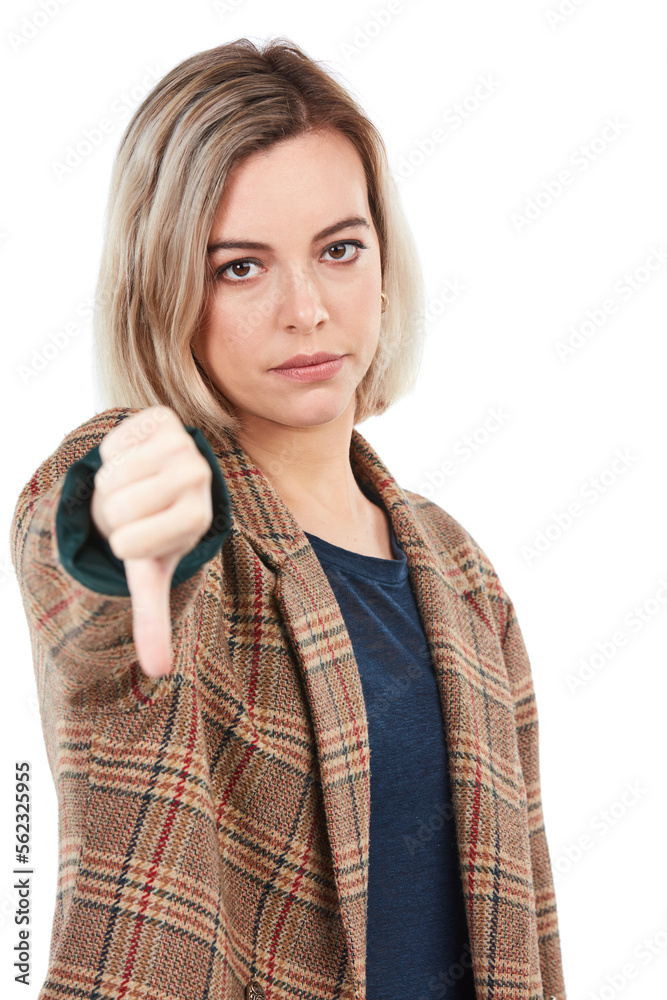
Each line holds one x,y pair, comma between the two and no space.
213,823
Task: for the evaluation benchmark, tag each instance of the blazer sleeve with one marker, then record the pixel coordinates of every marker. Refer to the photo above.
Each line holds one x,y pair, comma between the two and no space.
81,636
88,557
525,713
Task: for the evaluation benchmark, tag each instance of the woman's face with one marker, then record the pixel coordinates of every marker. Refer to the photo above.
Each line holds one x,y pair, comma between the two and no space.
314,284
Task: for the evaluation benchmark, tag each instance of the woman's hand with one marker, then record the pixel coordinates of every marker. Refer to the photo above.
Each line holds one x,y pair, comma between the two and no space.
152,502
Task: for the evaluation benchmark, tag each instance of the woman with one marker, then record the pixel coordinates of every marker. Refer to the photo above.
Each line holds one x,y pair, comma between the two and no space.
287,704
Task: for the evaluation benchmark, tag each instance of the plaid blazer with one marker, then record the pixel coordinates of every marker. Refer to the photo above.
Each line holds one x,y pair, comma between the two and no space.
213,823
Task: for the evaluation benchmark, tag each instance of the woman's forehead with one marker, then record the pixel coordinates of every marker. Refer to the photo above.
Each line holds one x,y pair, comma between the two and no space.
310,182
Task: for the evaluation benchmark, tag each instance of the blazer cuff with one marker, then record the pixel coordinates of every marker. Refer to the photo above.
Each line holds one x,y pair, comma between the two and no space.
87,556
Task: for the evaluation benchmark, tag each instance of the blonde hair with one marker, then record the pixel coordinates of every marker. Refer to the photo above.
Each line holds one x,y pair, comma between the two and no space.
209,112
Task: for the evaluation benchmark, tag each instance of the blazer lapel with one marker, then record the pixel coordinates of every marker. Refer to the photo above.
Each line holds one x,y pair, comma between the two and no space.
488,790
325,658
467,659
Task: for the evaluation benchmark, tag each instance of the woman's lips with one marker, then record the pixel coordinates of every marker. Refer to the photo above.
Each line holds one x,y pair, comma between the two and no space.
311,373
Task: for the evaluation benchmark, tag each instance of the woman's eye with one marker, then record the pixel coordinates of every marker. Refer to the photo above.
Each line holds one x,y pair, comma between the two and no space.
336,248
237,268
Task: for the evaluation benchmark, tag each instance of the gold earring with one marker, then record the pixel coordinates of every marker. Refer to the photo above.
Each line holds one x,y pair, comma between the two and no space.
383,296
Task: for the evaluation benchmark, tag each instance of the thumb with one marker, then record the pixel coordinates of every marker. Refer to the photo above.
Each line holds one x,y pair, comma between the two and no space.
149,583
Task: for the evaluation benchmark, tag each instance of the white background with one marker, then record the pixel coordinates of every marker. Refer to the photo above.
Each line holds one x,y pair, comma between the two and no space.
523,287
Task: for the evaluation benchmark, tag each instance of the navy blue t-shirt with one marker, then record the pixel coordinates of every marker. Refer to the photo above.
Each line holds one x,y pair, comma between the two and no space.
417,942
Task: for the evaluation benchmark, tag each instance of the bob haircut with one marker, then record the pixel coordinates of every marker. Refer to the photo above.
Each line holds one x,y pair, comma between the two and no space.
200,120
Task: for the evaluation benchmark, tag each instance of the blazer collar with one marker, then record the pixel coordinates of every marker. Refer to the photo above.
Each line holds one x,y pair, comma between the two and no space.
263,517
324,655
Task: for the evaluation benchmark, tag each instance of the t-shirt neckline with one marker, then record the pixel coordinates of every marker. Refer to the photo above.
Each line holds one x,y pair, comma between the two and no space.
372,567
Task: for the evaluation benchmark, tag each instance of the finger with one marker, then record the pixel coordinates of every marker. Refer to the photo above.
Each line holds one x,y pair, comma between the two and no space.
149,583
135,430
152,494
171,532
124,465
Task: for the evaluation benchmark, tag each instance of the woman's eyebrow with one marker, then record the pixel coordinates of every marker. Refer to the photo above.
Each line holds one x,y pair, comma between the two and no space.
235,244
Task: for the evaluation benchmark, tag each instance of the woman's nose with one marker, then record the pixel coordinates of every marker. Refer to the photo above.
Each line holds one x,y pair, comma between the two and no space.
301,303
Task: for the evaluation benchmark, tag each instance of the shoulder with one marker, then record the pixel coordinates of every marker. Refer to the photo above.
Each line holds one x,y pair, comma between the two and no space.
89,433
447,537
74,445
79,441
53,469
